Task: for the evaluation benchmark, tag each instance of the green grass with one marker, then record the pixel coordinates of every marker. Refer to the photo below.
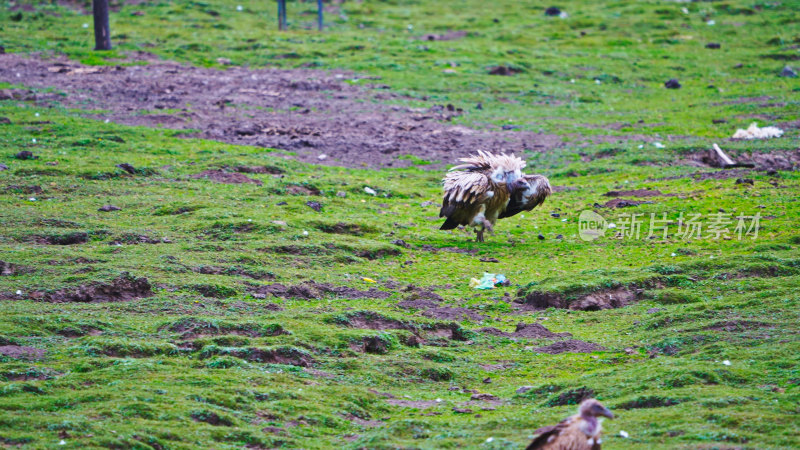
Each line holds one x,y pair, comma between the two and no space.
122,374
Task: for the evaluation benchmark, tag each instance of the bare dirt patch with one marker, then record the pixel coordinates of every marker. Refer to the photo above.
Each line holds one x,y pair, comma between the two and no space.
593,301
569,346
221,176
526,331
635,193
191,327
367,131
21,352
62,239
620,203
123,288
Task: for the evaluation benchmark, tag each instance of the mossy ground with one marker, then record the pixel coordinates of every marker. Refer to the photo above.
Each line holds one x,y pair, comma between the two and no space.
119,375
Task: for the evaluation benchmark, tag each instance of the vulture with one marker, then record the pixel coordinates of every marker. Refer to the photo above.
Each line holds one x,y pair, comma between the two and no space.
487,187
579,432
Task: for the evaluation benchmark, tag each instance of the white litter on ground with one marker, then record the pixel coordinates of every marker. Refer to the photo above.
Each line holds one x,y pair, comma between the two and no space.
754,132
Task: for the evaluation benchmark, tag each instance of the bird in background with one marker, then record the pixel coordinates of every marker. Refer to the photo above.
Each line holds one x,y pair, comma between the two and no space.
487,187
579,432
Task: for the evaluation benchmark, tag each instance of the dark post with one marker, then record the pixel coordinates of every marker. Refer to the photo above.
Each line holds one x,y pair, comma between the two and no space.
319,15
102,34
281,14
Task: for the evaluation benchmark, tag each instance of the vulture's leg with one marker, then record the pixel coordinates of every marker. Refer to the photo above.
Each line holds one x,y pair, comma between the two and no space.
488,225
480,235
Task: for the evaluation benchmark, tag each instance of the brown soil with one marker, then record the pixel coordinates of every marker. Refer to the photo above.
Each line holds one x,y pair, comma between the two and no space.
373,321
569,346
449,36
635,193
289,356
62,239
571,397
648,402
621,203
594,301
123,288
311,290
272,170
367,130
221,176
527,331
738,325
192,328
21,352
296,189
28,190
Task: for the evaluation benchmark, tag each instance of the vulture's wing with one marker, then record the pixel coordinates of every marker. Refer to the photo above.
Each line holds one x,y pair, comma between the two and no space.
531,194
547,435
462,191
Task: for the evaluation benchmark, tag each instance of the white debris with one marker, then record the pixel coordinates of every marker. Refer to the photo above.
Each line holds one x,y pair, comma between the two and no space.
305,233
489,439
641,145
726,363
33,140
659,145
612,225
369,190
711,23
37,114
597,81
754,132
86,25
322,157
19,292
33,199
572,81
623,433
106,121
239,8
673,255
563,15
685,10
438,400
62,442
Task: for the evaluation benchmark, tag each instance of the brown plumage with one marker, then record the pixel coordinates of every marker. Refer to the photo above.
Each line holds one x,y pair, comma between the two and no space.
578,432
478,191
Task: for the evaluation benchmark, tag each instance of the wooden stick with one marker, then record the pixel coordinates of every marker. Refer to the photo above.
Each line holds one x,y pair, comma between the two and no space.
102,35
320,23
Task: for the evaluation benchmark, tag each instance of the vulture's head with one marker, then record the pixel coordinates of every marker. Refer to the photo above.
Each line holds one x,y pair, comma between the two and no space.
593,408
506,169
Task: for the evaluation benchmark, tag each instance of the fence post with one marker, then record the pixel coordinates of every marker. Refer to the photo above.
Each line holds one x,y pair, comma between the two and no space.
102,34
319,15
281,14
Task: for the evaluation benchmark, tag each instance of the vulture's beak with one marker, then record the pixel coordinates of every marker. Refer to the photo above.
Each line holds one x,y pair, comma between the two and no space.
603,411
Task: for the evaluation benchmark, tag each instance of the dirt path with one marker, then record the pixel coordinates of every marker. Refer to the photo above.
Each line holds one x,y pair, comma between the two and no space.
309,113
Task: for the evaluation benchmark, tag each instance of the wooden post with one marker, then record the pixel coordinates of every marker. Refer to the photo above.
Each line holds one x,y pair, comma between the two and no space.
281,14
102,33
320,23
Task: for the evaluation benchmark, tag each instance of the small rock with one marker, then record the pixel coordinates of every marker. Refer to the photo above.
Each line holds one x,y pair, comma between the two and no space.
322,157
279,223
341,194
401,243
487,380
316,206
541,237
788,72
458,410
556,215
51,163
744,181
490,260
653,310
479,106
281,204
524,389
109,208
127,168
672,84
25,154
3,167
369,190
427,203
738,66
718,121
224,61
5,121
560,236
713,45
510,127
552,11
